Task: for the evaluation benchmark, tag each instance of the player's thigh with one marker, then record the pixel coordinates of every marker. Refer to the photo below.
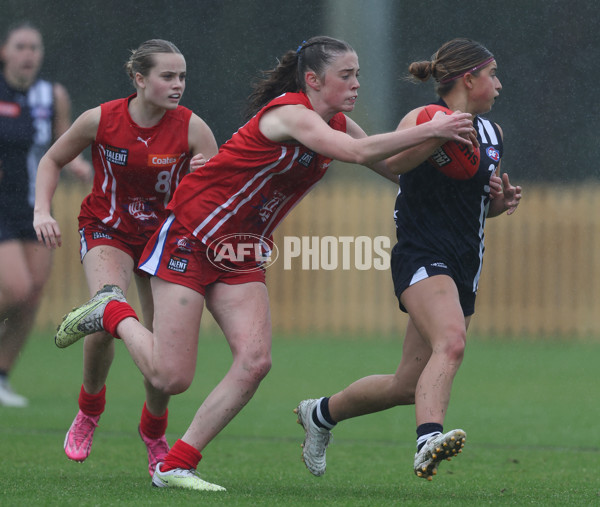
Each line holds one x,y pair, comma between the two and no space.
144,291
242,312
433,305
176,324
39,262
13,265
105,264
16,281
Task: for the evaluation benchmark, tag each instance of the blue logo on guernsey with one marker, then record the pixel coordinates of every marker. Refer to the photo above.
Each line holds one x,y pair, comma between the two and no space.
493,153
116,155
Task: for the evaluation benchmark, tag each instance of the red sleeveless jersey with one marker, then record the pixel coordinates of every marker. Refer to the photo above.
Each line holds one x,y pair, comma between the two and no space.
252,183
136,170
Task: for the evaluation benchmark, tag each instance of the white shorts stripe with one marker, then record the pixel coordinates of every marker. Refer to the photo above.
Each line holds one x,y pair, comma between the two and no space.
152,263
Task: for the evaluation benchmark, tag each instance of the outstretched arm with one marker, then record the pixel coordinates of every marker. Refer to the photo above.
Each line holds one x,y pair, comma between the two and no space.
354,130
296,122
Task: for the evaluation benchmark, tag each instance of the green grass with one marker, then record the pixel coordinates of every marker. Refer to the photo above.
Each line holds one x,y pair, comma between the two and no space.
530,408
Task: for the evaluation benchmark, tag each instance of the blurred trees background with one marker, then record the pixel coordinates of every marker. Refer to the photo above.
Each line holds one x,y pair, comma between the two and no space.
547,52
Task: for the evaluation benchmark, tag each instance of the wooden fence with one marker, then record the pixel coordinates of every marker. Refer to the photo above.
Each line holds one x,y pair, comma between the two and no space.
541,273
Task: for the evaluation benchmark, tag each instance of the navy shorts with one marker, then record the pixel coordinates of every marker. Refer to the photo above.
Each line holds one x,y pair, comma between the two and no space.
410,268
17,224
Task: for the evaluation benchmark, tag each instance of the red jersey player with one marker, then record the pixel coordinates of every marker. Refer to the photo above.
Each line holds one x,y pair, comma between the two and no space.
239,197
141,149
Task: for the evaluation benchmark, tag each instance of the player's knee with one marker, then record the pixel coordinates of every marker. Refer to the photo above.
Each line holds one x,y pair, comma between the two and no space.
260,367
257,367
455,345
19,294
402,392
172,382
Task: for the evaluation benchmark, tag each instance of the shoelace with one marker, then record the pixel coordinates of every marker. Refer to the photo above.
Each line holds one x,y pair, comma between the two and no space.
158,447
83,429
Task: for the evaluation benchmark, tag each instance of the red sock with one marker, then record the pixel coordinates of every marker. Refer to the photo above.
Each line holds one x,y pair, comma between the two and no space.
92,404
181,455
153,426
114,313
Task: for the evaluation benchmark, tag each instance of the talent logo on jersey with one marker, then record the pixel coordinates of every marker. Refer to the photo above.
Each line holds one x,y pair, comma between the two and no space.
162,160
10,109
493,153
177,264
242,252
116,155
306,158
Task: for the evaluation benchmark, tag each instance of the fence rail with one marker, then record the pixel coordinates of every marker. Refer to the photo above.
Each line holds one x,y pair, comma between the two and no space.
541,272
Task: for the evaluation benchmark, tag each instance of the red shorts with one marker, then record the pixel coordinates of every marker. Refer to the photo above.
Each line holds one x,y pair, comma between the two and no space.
175,255
94,233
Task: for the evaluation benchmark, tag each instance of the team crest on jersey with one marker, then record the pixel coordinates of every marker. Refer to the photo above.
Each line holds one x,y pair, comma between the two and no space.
270,205
141,209
493,153
306,158
184,245
116,155
161,160
177,264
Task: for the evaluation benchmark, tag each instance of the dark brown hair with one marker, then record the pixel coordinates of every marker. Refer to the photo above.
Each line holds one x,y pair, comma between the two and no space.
288,76
452,60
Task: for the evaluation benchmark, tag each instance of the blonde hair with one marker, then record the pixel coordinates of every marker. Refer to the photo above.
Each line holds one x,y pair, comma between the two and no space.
141,59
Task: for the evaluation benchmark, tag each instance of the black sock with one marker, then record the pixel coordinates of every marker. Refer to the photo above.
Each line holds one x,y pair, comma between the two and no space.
426,431
321,416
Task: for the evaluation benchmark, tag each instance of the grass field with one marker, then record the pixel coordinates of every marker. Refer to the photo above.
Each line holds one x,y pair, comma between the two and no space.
531,410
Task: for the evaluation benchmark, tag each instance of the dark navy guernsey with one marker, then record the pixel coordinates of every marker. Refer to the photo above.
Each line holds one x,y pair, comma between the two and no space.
440,220
26,120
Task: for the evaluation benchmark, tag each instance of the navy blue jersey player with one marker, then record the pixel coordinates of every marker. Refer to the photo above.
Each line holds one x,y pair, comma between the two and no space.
33,112
435,265
440,220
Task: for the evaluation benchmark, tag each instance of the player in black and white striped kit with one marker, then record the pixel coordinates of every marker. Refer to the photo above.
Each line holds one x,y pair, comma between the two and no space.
440,220
33,112
436,265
